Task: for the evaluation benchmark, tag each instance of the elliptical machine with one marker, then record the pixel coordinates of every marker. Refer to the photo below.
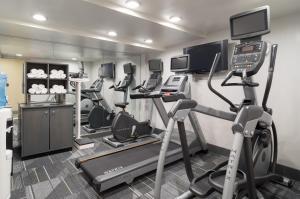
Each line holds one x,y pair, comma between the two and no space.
253,156
126,128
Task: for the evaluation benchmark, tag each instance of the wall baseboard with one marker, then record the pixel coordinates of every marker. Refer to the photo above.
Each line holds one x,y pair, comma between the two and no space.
280,169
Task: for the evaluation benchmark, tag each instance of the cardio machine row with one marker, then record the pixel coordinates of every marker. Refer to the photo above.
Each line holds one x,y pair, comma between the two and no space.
123,127
253,157
108,169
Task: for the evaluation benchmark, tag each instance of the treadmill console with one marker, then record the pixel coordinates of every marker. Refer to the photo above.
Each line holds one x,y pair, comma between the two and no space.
248,57
153,82
175,88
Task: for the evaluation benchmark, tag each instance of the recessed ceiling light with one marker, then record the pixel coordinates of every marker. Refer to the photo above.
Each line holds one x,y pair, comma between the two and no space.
174,19
39,17
74,59
19,55
132,4
148,41
112,34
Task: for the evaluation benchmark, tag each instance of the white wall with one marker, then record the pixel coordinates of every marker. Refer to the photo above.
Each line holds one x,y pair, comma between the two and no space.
284,97
112,96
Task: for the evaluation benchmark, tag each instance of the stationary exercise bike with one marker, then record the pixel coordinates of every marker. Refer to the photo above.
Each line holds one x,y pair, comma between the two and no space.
253,156
125,127
95,110
101,116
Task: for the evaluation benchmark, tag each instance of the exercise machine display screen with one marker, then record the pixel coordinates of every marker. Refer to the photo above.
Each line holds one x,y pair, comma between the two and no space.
247,49
128,68
180,63
250,24
155,65
107,70
248,57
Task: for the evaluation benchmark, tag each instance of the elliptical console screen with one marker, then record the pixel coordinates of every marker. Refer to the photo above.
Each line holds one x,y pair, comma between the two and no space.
250,24
180,63
247,49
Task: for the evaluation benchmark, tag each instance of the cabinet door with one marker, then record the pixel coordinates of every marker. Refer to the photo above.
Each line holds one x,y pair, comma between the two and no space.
35,135
61,127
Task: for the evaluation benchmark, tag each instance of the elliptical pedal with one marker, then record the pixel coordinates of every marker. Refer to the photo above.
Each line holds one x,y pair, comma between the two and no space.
200,186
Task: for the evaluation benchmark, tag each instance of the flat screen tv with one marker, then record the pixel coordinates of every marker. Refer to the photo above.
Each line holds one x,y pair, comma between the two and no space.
128,68
155,65
180,63
108,70
202,56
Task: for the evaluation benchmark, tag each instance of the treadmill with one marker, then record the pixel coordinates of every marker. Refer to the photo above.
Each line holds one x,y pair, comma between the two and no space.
122,165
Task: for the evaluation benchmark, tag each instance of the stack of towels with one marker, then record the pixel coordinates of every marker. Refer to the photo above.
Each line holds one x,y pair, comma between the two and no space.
58,89
37,73
57,74
37,89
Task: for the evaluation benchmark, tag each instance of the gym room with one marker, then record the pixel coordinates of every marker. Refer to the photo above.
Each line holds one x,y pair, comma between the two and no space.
149,99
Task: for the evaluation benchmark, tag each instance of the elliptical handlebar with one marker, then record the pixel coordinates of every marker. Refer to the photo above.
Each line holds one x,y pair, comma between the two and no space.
139,86
244,81
270,77
115,86
211,73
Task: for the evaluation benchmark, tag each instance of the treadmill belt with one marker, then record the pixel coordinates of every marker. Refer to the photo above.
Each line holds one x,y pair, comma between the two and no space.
106,164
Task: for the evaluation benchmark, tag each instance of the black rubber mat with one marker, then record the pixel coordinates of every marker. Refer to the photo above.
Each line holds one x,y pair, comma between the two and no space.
106,164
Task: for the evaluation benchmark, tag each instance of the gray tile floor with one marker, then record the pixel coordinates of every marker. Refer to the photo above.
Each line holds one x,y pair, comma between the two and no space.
55,176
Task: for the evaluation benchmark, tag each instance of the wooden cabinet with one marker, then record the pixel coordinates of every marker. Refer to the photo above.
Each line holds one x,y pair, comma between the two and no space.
61,128
45,128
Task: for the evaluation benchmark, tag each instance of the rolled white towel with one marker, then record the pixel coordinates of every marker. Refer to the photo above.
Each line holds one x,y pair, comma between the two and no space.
41,86
41,71
31,91
60,72
53,71
44,90
34,86
38,91
33,71
30,75
44,76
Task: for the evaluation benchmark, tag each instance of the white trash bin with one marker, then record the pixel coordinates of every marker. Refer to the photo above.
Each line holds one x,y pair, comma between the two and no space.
7,180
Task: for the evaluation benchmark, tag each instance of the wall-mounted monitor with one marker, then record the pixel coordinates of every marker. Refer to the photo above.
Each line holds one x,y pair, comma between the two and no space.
155,65
180,63
128,68
108,70
202,56
250,24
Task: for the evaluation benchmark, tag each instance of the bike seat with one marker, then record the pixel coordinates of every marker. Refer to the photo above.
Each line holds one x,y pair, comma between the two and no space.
121,105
